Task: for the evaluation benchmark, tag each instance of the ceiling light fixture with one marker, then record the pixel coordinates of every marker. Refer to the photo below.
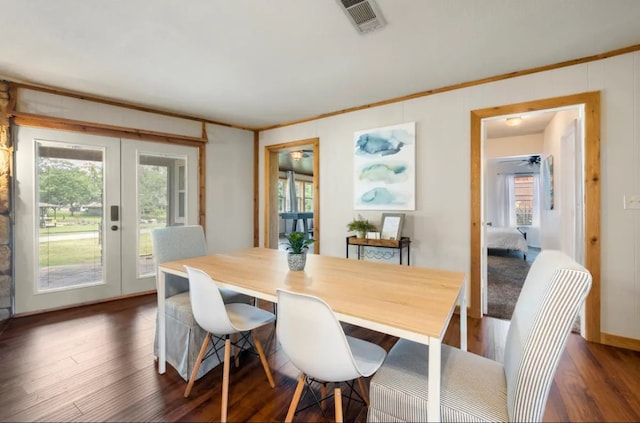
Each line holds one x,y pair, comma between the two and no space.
513,121
296,155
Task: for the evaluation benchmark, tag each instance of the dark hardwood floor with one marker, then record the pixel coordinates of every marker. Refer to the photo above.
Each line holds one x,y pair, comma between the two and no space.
95,363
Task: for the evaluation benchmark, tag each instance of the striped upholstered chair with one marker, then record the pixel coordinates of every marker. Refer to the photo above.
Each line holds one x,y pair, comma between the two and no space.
475,388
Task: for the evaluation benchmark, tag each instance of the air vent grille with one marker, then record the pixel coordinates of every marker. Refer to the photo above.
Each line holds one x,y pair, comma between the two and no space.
363,14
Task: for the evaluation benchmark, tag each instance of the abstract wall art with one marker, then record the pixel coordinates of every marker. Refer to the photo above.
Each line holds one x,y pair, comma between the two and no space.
384,166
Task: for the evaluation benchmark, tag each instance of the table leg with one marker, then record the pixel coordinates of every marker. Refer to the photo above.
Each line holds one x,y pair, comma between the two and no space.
162,331
433,407
463,316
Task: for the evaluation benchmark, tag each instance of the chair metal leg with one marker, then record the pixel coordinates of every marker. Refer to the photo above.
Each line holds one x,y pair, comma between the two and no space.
338,399
225,379
196,366
295,399
263,359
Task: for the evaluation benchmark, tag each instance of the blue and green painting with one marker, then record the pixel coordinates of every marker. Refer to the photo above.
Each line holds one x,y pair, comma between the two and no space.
384,168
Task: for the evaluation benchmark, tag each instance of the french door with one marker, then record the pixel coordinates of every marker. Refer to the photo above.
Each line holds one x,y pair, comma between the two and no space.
85,206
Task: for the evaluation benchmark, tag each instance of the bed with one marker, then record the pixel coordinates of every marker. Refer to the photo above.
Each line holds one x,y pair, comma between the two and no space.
504,238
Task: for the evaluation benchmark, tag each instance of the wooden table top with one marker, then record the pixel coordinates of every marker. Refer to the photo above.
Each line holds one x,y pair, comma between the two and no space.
409,302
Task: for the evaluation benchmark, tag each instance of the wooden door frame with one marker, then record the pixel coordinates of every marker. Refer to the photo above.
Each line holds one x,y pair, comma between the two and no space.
591,103
271,190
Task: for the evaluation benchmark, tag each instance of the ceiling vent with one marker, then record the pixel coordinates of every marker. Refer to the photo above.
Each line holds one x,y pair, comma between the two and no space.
363,14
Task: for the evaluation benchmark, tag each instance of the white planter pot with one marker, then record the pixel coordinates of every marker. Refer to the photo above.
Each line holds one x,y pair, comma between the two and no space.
296,261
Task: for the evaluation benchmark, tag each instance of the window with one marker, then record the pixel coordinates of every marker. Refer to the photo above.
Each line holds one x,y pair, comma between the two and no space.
304,194
308,197
282,195
523,197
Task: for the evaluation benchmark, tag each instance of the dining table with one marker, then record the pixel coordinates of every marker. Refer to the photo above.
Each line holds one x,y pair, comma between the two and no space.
410,302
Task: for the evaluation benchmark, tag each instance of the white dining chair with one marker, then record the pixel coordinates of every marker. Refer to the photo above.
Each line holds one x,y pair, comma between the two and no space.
223,320
184,336
475,388
313,339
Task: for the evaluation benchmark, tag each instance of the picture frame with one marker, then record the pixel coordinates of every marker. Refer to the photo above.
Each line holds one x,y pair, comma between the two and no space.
391,226
384,166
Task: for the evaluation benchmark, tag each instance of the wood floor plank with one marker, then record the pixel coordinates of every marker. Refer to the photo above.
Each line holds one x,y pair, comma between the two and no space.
95,363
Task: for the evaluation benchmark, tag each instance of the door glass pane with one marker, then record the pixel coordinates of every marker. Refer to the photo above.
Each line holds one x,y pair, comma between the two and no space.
161,202
70,181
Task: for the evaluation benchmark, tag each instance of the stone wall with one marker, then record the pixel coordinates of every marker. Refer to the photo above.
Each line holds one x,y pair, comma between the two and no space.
5,206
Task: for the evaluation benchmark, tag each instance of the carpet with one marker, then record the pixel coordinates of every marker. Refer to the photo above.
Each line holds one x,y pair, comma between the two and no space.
506,273
505,277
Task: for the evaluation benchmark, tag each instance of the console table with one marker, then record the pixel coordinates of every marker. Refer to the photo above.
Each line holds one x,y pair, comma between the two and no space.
399,245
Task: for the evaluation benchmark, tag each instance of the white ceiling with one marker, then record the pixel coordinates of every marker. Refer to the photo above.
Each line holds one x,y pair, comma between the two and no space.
531,123
257,63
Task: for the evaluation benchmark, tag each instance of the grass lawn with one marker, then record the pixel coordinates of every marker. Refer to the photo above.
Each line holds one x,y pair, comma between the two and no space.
84,250
73,251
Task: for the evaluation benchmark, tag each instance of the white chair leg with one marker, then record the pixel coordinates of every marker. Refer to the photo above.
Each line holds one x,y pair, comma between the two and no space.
196,366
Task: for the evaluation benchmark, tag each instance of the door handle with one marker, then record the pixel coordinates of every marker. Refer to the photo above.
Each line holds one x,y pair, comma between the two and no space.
115,214
114,228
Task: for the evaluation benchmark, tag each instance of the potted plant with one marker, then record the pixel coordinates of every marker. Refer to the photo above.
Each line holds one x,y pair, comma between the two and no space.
297,245
361,226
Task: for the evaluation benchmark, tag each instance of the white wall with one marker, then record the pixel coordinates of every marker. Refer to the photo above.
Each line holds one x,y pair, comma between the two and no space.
553,235
522,145
439,227
46,104
229,189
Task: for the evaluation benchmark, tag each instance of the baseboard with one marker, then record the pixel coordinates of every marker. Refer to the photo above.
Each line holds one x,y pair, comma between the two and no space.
105,300
620,341
471,312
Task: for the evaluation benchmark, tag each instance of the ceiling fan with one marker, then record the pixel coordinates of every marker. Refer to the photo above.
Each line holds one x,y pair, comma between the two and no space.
300,154
528,161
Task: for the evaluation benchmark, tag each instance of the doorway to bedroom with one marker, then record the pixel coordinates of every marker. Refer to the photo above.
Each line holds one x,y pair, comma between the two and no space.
530,197
569,200
513,149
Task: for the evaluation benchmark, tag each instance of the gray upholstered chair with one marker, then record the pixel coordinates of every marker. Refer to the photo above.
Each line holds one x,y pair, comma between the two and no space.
474,388
184,336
